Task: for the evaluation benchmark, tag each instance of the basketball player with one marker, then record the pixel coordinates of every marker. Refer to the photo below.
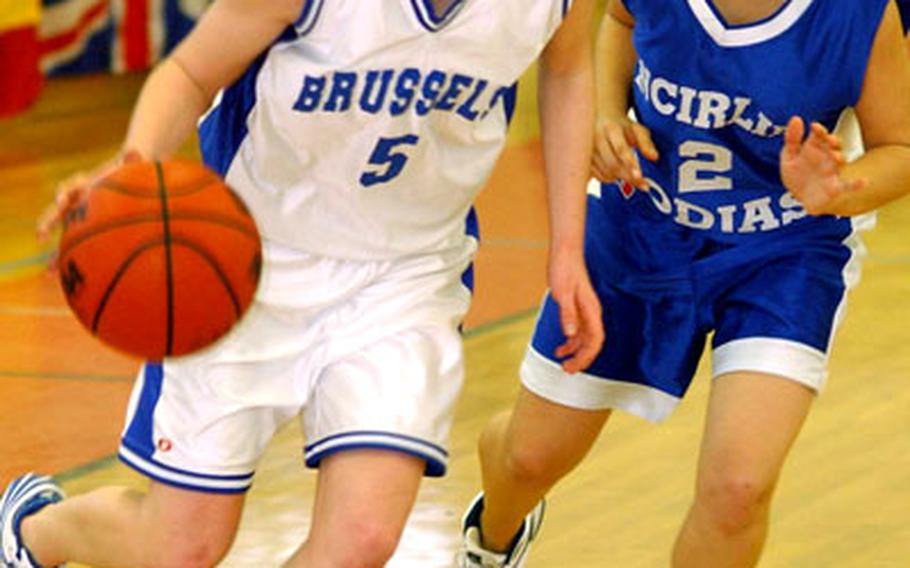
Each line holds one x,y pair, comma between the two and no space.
729,220
358,132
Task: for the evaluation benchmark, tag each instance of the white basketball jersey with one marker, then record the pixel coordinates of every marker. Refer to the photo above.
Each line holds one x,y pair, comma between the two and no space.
366,130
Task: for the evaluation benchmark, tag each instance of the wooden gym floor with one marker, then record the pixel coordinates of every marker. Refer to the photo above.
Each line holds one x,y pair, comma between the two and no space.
844,500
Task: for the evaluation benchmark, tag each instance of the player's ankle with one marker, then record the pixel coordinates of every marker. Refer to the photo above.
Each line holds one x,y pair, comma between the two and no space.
496,541
29,536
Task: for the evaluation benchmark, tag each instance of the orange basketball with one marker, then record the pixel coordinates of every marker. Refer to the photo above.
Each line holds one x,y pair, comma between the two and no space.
161,260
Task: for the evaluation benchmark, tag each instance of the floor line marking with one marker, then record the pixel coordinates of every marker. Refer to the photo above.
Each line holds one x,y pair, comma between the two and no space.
84,377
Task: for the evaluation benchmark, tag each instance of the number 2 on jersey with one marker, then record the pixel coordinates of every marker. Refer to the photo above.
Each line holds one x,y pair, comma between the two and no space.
704,163
388,158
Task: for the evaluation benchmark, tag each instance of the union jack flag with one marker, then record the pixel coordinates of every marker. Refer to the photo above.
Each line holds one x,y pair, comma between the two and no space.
78,36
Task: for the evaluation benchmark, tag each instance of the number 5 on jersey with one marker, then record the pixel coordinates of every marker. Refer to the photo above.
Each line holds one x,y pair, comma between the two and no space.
389,158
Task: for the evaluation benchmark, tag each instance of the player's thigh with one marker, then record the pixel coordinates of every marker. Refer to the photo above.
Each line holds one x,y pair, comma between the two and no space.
184,518
751,424
362,491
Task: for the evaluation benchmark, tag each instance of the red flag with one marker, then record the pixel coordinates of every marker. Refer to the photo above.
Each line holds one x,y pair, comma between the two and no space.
20,77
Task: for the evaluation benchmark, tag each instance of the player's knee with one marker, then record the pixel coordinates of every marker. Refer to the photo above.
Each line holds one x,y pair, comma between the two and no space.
530,466
368,544
187,555
734,503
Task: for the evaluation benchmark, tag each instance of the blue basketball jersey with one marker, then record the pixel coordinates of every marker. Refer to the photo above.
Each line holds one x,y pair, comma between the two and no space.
717,98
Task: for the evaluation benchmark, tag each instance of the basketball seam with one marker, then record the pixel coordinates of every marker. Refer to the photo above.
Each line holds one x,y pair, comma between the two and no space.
144,247
102,304
190,188
226,222
216,268
168,258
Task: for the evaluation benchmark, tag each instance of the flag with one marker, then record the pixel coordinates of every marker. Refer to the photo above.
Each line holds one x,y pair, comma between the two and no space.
20,78
78,36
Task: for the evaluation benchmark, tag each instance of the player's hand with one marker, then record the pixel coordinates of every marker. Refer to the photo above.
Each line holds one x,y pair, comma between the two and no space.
579,312
613,158
75,190
810,169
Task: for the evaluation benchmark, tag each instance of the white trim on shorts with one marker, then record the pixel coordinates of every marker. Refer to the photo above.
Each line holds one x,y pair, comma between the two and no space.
546,378
790,359
435,456
783,357
852,271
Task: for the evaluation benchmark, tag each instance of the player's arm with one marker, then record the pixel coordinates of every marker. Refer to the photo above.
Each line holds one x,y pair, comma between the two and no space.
615,133
884,117
224,42
221,46
882,174
566,114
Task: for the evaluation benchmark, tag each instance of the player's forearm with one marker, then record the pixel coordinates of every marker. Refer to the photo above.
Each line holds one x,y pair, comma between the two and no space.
887,169
567,113
166,112
614,63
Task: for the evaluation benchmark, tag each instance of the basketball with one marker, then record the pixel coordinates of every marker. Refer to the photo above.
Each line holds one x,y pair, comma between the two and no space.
162,259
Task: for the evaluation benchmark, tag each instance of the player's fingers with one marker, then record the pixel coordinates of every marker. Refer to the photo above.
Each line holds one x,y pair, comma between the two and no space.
620,146
568,316
793,137
607,159
644,142
585,348
585,354
568,348
130,156
52,215
819,128
631,162
818,136
599,170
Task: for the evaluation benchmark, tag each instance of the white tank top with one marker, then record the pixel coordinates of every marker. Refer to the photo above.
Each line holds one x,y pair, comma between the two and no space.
367,129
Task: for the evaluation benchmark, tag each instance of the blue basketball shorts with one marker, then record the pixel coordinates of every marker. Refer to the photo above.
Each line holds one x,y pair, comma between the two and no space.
770,305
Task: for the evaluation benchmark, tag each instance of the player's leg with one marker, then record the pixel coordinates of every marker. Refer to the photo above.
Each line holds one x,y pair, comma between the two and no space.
769,361
522,456
188,429
381,405
116,526
752,421
363,498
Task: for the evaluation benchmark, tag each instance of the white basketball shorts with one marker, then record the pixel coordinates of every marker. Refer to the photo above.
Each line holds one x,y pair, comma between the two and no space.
368,354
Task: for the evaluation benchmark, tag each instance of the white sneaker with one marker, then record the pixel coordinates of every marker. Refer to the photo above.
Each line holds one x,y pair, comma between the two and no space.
474,555
26,495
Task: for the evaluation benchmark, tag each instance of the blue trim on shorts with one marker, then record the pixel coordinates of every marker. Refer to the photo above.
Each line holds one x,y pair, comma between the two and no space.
435,468
170,482
420,441
140,430
472,229
213,477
